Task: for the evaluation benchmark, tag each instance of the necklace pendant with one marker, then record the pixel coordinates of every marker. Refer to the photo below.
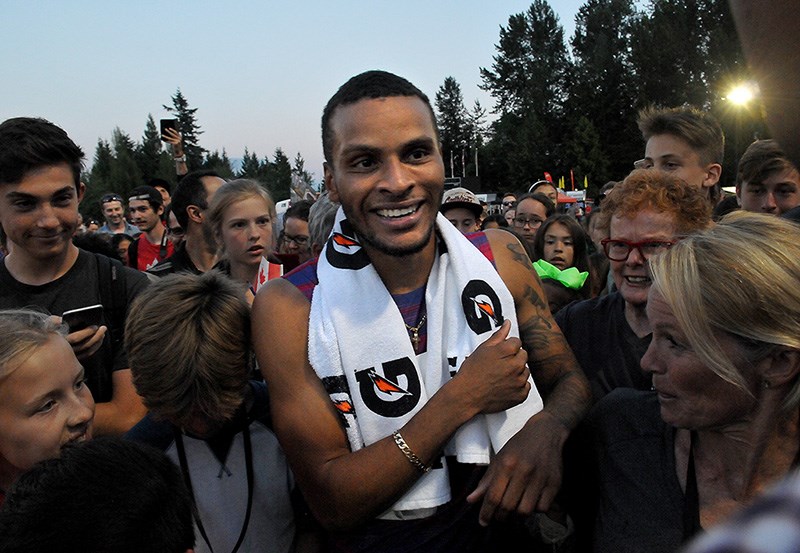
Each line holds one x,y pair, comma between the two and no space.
415,338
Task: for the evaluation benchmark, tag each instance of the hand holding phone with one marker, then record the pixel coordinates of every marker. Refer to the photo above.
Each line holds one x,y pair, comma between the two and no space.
169,130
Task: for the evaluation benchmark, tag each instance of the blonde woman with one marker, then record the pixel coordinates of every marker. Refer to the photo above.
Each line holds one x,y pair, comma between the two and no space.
722,422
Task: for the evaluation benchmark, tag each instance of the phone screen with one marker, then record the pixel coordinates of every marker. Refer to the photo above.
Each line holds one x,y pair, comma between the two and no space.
168,124
77,319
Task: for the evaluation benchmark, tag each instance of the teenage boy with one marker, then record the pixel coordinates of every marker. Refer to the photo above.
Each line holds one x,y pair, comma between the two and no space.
686,142
40,190
146,206
766,180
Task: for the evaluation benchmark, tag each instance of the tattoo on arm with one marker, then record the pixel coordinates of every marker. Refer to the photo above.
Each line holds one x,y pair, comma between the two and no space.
519,255
533,296
555,371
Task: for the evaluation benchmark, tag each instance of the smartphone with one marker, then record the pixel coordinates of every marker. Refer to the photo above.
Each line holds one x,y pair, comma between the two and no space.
168,124
78,319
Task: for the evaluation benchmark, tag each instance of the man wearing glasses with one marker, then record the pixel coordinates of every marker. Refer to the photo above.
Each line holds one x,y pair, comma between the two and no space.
646,214
114,212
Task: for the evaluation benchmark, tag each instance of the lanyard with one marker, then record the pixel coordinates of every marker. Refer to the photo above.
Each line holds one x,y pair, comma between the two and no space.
248,455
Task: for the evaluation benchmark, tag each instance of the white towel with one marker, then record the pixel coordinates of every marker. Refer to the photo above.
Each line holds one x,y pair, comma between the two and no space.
359,347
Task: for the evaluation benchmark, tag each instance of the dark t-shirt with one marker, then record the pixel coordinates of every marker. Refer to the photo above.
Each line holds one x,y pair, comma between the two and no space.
79,287
607,349
641,501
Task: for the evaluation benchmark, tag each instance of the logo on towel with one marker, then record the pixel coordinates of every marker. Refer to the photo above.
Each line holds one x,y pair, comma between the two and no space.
339,392
481,306
394,393
344,251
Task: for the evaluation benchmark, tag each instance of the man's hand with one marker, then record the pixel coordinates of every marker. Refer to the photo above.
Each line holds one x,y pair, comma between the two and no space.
87,341
526,474
496,372
173,137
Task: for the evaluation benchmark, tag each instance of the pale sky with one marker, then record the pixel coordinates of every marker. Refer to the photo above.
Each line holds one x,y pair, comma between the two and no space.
259,72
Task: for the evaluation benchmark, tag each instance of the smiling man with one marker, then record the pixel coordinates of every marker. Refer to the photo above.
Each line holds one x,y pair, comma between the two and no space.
114,213
399,335
40,190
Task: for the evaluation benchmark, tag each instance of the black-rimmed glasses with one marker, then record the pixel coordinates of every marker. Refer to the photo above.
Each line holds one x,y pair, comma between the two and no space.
533,222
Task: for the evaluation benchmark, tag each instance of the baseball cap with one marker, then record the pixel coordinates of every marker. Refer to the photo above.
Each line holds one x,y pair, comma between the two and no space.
147,193
461,197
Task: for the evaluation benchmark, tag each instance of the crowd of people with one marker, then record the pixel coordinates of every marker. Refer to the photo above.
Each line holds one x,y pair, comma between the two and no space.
389,367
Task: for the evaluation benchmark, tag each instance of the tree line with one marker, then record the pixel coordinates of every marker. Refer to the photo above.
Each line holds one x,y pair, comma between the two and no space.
121,164
569,110
560,109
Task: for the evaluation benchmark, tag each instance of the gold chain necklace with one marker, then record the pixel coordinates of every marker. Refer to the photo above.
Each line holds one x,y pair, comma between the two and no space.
414,331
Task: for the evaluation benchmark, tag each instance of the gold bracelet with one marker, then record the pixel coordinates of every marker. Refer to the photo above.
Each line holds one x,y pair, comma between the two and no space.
410,455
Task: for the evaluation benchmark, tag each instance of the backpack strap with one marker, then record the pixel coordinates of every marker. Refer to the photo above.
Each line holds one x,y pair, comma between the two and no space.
113,296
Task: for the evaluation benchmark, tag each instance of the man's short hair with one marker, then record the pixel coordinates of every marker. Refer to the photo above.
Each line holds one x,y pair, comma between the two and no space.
299,210
30,143
697,128
761,159
191,191
148,194
99,496
368,85
197,364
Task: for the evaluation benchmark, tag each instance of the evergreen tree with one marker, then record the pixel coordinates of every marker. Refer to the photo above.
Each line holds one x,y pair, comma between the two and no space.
603,89
585,156
251,168
148,153
528,81
453,125
219,163
301,177
476,128
125,173
279,179
668,49
98,181
189,129
531,65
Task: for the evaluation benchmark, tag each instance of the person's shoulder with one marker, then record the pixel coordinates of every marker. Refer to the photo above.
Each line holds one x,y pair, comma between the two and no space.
480,241
627,413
